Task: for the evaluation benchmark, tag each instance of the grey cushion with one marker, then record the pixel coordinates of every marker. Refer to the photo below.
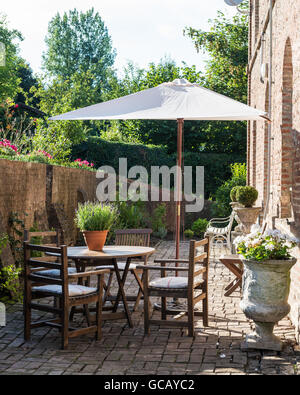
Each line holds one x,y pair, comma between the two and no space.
170,283
74,290
55,273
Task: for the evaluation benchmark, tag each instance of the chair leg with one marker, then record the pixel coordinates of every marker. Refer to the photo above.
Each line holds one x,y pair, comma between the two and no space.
87,314
99,311
163,308
205,311
146,306
191,323
65,327
27,321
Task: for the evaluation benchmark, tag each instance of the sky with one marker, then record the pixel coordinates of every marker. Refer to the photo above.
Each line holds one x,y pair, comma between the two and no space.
142,31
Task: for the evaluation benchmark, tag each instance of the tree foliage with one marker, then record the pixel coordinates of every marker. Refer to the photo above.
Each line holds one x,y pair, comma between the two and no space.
227,46
78,42
9,80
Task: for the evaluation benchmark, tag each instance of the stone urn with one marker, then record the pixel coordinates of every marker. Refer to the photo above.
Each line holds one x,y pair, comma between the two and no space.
248,217
234,206
266,287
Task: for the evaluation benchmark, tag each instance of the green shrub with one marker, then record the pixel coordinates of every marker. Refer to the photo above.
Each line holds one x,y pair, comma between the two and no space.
221,206
95,216
159,220
189,234
217,165
199,227
131,215
233,193
247,196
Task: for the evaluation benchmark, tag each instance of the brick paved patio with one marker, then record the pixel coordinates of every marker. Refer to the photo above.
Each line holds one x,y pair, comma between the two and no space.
125,351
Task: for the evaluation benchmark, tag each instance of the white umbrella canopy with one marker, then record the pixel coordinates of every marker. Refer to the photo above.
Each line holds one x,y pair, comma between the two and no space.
179,99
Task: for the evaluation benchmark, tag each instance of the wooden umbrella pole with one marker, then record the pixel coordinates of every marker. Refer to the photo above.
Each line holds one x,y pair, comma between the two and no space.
180,123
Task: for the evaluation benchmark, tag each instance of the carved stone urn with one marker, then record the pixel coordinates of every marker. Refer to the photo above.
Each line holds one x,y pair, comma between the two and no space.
239,227
248,217
266,287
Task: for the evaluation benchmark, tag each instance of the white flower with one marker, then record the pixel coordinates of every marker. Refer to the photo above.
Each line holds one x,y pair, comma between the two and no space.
270,247
256,242
255,229
238,240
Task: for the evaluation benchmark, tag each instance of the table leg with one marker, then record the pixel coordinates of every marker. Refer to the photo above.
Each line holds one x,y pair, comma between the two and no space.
234,287
140,282
121,293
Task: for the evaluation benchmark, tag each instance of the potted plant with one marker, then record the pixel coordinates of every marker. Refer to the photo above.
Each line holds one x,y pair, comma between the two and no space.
246,197
266,283
95,220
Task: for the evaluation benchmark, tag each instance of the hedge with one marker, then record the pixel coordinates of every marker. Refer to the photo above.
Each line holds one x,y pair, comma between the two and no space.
106,153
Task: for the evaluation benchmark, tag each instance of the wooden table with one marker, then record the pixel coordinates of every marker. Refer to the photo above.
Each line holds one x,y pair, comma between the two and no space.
235,265
110,255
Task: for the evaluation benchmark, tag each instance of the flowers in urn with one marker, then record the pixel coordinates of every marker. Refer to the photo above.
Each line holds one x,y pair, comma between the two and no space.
267,262
270,245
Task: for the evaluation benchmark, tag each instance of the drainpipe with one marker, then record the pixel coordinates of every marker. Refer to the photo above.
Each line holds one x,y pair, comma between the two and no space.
270,112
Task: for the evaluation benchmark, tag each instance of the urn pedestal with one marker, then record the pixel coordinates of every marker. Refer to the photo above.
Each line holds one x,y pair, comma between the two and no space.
266,287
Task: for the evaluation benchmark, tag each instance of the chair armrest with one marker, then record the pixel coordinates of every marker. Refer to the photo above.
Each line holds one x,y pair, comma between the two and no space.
88,274
171,261
147,267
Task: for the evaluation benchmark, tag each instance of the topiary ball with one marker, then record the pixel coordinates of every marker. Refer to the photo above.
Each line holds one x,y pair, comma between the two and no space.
233,193
247,196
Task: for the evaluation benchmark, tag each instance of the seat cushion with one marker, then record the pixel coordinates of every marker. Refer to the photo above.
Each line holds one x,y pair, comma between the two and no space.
169,283
55,273
74,290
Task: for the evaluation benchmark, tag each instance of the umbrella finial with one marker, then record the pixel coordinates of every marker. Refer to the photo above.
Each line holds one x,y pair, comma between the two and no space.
181,82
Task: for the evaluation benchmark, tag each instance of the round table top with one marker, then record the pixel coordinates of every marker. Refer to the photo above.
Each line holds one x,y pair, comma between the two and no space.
109,252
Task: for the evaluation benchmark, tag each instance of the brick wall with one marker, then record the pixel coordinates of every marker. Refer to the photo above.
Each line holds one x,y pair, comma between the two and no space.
49,196
284,207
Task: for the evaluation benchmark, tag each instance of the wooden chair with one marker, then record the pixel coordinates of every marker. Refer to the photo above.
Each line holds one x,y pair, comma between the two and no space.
43,238
179,287
130,237
36,285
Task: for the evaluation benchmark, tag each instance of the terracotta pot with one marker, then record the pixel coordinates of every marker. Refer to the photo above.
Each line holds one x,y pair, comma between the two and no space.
266,287
95,240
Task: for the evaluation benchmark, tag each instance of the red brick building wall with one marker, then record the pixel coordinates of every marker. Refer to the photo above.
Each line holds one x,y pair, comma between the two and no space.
283,210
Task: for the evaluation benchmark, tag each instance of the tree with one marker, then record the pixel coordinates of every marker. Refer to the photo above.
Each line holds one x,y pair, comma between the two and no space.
9,80
27,82
227,45
78,42
57,138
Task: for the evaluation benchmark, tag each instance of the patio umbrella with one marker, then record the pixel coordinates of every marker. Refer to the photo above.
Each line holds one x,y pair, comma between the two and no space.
178,100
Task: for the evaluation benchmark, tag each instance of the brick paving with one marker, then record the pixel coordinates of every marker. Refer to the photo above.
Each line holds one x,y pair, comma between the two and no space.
125,351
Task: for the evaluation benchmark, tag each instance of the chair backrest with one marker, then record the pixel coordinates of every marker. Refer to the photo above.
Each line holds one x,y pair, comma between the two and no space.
133,237
198,261
33,266
40,237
